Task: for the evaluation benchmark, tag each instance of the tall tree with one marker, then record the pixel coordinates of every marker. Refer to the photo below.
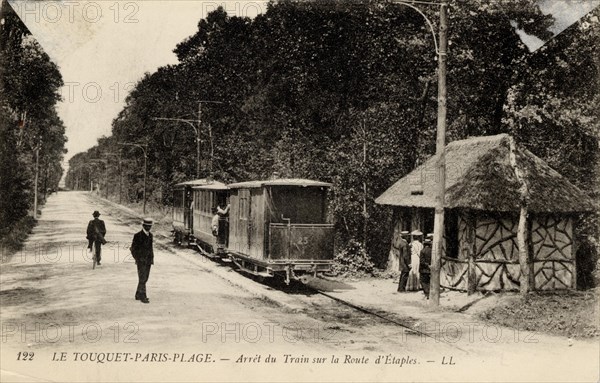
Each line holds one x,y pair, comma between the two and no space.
29,90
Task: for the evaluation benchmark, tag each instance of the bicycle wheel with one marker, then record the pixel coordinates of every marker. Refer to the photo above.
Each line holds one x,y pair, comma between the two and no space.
93,255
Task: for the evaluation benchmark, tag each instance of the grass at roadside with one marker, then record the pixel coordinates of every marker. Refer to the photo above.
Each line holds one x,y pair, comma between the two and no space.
567,313
12,240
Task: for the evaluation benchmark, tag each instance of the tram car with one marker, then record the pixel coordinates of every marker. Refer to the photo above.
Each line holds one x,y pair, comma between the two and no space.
280,227
194,204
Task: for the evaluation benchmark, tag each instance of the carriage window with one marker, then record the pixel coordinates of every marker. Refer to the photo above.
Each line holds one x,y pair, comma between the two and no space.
300,205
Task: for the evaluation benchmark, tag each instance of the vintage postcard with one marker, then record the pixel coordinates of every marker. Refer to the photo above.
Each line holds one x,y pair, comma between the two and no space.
299,191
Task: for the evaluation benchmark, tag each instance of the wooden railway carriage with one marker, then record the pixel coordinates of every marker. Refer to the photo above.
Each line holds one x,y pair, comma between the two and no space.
280,227
207,197
193,202
491,183
182,209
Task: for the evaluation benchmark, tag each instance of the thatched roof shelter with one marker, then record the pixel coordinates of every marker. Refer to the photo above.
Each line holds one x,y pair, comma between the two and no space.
480,174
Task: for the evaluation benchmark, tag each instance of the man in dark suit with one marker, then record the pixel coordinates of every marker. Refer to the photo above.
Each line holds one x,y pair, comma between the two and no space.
424,266
96,231
404,258
141,249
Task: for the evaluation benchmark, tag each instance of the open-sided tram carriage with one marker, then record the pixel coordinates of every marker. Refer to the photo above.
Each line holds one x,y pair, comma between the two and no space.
280,227
193,204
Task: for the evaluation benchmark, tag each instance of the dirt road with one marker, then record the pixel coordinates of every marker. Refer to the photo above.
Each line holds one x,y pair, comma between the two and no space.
63,321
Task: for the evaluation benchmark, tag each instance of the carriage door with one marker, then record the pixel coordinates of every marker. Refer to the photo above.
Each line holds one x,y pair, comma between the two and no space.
244,223
187,209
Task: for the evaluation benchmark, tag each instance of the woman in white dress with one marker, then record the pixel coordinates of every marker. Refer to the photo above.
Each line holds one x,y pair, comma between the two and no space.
415,250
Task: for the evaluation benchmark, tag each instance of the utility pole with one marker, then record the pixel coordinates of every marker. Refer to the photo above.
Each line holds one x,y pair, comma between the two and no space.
440,150
118,155
120,177
210,136
440,144
144,148
37,175
197,126
198,140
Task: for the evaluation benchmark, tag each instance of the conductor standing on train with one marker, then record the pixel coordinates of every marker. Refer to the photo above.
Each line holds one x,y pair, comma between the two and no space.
217,224
143,253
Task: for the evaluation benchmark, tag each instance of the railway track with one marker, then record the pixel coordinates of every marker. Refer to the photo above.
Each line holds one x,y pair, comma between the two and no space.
385,319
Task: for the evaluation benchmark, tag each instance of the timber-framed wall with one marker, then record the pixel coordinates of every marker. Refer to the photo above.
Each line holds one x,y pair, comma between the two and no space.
488,255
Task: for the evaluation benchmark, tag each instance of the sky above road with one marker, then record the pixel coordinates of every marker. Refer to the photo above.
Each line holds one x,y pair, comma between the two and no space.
104,47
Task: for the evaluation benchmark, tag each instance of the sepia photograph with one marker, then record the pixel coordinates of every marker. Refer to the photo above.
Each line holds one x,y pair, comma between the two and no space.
300,191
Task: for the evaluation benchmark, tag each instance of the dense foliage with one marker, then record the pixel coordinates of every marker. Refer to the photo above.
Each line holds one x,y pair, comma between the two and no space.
346,92
29,89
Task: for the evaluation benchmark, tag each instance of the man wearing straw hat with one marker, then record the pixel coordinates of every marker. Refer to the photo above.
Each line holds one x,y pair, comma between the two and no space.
141,249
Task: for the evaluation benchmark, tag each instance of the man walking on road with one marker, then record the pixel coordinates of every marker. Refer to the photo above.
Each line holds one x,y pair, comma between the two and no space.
141,249
96,230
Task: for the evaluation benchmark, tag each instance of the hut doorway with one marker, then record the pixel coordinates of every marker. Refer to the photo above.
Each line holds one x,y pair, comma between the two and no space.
451,229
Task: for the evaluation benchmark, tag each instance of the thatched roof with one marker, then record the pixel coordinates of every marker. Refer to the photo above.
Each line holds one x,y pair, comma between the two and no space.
480,175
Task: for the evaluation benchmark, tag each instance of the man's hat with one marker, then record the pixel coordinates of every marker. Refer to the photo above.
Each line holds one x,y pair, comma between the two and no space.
96,213
404,232
429,235
148,221
416,232
427,241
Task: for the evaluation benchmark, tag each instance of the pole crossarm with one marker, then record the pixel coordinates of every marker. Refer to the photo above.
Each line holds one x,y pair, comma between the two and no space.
187,121
197,126
429,23
144,147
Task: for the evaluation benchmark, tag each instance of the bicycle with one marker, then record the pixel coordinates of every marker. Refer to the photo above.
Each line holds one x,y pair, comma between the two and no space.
94,255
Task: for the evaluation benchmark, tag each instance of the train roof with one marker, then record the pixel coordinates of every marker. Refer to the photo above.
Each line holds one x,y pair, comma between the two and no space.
203,183
279,182
215,185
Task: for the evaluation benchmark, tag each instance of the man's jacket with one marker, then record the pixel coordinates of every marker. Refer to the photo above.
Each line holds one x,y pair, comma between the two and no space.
141,248
96,230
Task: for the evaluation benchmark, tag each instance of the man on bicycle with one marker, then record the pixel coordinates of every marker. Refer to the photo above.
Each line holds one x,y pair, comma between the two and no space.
95,234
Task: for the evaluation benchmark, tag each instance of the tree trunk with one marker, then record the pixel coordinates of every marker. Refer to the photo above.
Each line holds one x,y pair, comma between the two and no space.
522,241
523,258
394,255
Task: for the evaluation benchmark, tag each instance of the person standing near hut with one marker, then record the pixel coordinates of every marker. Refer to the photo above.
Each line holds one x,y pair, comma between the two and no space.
404,259
415,252
424,266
